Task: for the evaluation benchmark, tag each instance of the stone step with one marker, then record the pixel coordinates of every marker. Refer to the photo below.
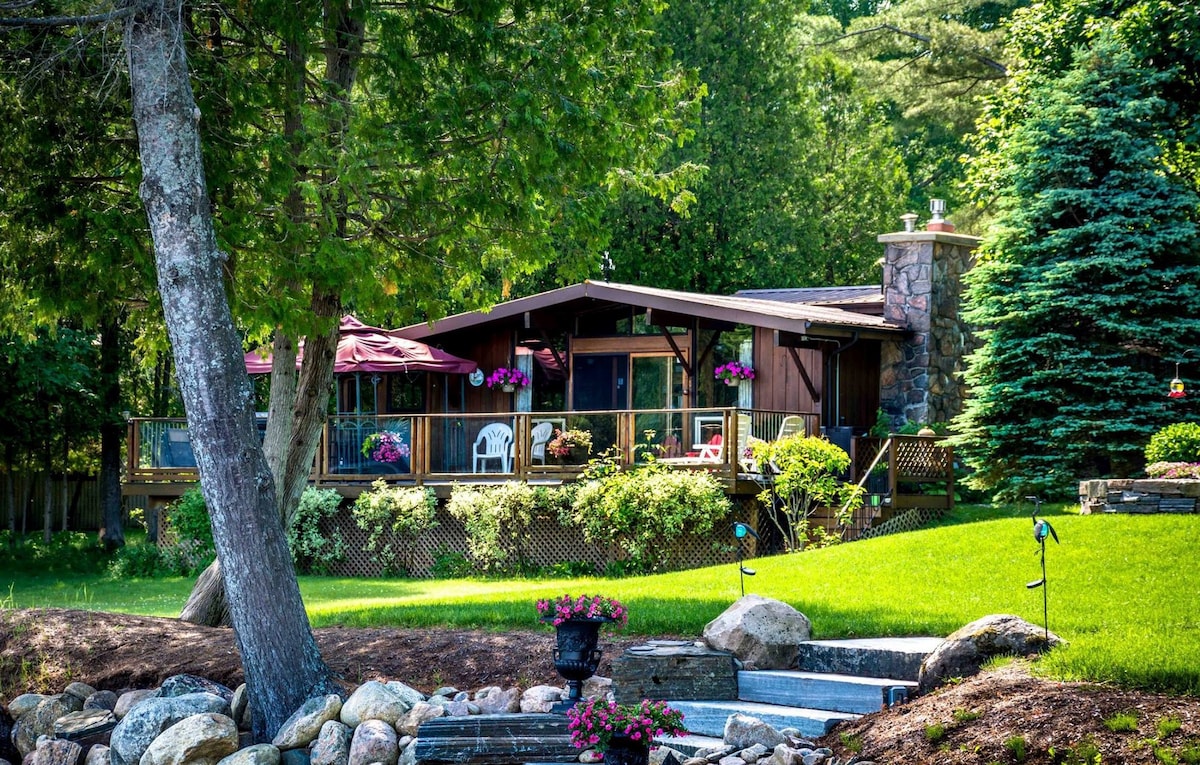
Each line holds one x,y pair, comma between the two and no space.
890,658
707,718
496,740
689,743
821,690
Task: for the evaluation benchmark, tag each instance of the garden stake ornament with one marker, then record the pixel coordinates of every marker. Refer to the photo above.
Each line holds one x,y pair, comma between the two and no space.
1041,530
740,531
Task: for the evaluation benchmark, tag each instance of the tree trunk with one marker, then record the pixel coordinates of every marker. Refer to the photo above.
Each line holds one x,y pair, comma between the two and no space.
112,432
280,659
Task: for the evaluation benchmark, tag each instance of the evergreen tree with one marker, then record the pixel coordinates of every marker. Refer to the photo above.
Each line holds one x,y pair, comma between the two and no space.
1088,283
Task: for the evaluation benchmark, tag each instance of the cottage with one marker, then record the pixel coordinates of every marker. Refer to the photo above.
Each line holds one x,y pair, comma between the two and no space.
687,377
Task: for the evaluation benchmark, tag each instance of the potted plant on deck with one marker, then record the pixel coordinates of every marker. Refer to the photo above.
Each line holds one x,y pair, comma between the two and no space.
507,379
571,446
624,734
577,623
385,446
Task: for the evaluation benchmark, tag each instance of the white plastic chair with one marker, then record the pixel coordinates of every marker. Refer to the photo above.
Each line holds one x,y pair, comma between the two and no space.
791,425
494,443
538,438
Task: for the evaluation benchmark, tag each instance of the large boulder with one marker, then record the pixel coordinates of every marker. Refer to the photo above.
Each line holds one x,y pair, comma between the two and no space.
743,731
181,685
968,648
332,746
203,739
303,727
40,720
374,741
374,700
762,633
152,716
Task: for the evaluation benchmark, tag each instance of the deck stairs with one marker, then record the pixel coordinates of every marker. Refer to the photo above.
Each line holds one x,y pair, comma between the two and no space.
835,681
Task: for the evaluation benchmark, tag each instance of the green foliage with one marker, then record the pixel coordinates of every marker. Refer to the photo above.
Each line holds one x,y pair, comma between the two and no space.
450,564
315,551
1089,277
189,522
935,732
1016,748
139,561
66,552
1167,725
805,476
1177,442
1190,752
644,511
1084,752
498,520
1122,722
965,715
393,516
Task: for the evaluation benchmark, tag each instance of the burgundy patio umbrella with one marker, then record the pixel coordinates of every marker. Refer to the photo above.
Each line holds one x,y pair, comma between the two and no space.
362,348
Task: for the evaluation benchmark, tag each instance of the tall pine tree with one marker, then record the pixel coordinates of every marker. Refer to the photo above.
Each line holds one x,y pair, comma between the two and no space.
1087,286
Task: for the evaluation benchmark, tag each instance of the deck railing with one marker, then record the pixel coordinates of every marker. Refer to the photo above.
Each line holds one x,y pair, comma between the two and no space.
447,447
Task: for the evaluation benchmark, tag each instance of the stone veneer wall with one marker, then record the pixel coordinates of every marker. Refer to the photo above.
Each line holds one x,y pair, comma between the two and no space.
920,376
1131,495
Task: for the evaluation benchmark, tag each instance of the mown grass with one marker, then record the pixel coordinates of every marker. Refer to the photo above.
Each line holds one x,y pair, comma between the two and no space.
1124,591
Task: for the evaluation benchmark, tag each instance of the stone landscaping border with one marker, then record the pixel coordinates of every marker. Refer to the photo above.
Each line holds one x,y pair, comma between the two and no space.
1134,495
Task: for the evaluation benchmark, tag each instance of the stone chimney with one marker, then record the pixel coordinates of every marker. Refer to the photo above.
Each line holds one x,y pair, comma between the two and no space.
920,377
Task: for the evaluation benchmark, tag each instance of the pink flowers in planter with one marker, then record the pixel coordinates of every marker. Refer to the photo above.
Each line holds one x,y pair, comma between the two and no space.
565,608
594,723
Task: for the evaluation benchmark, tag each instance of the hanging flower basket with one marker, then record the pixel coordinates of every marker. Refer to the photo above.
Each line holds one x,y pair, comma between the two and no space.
507,379
734,372
385,446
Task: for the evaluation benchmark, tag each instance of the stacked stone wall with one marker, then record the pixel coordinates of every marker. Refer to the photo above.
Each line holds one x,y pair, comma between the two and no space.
1131,495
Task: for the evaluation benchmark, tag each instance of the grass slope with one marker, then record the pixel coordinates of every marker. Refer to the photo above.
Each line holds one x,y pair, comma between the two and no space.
1124,591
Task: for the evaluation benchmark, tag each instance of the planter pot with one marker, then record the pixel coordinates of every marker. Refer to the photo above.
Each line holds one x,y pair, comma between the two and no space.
576,656
508,387
732,382
623,750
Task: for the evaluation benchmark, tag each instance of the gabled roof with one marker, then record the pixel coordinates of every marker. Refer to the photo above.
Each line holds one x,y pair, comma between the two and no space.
794,317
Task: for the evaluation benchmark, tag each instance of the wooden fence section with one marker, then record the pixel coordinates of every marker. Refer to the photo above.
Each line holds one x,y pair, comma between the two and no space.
78,495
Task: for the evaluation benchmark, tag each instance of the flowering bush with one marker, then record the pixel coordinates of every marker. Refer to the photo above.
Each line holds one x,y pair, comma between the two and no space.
565,607
733,371
1171,470
593,723
385,446
565,440
505,376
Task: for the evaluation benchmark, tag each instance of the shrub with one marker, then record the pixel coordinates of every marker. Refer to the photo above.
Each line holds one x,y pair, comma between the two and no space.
135,561
498,520
645,510
188,521
1179,442
393,516
450,564
314,551
1173,470
806,474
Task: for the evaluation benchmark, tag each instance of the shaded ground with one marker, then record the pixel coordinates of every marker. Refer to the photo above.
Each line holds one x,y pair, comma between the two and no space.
980,719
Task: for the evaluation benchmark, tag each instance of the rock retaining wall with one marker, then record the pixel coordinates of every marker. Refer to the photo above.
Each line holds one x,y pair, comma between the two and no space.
1129,495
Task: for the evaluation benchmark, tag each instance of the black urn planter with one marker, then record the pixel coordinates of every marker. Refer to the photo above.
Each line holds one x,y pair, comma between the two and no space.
576,656
622,750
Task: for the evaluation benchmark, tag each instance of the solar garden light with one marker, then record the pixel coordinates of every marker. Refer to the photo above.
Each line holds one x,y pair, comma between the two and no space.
740,532
1041,530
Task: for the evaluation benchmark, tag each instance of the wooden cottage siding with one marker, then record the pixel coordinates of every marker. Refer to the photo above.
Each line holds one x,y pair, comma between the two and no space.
778,384
859,386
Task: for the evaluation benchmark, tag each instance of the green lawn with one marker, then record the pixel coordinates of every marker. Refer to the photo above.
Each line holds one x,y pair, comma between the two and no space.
1124,591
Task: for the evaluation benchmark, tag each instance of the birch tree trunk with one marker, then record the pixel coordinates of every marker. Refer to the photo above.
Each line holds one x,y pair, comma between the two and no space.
280,659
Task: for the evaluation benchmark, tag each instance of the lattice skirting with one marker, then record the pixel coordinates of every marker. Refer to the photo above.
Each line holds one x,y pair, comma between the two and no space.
908,521
550,543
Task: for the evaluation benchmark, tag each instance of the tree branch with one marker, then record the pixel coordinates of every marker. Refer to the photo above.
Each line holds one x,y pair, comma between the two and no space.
988,62
67,21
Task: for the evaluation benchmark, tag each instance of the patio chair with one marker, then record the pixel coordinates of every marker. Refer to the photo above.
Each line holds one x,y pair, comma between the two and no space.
176,449
538,438
791,425
494,442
